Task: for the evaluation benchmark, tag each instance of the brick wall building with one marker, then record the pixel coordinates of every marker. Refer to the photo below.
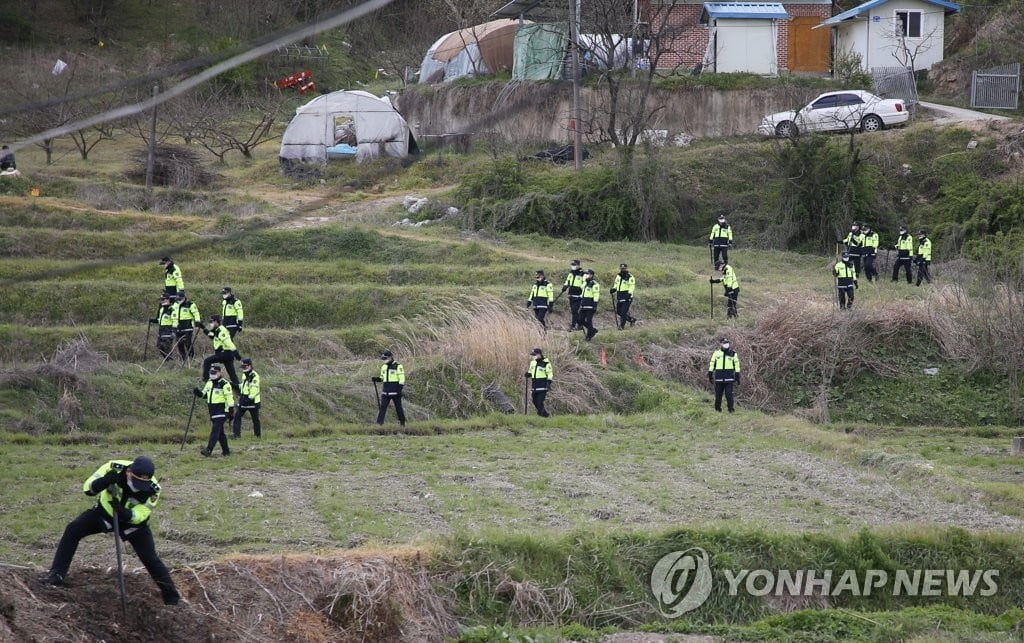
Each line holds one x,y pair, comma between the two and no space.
684,39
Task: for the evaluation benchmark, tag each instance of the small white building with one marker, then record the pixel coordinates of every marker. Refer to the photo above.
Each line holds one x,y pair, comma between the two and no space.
743,36
888,33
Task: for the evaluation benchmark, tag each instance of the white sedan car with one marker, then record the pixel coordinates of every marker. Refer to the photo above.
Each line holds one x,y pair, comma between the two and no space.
837,111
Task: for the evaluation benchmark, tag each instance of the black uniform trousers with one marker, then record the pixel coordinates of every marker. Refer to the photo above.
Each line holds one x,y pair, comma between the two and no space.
538,395
726,389
165,340
720,251
622,304
587,319
227,358
540,314
236,426
902,262
96,521
386,398
217,434
732,296
186,345
574,310
922,271
845,294
869,266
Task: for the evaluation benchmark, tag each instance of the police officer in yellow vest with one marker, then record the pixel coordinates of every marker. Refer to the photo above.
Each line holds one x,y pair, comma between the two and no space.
846,280
869,252
172,276
249,401
623,288
904,253
392,375
129,489
731,284
231,312
541,297
224,351
166,319
574,284
220,402
541,374
724,372
855,245
923,258
187,320
588,303
720,240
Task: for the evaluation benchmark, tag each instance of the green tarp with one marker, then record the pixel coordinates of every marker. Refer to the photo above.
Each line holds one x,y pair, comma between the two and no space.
538,51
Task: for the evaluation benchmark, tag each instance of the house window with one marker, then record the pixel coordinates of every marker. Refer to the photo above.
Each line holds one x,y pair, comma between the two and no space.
908,24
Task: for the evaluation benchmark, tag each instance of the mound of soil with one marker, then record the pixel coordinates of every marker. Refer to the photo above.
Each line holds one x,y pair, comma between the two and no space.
352,596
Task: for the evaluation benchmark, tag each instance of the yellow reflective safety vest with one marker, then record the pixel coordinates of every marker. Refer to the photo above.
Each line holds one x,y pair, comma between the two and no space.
140,503
219,397
624,286
540,373
724,365
221,338
249,387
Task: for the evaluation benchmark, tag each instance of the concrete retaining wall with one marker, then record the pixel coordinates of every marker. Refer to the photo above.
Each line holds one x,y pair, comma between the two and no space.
541,111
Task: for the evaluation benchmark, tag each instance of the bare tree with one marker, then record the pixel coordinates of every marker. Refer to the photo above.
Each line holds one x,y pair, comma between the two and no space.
234,123
617,47
907,48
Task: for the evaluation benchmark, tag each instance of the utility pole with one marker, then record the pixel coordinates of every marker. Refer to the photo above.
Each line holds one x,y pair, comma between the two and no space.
577,110
152,141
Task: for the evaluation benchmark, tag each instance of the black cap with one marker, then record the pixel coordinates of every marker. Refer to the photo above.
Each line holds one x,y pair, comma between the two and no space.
246,361
719,264
845,255
588,271
540,272
623,266
215,367
180,294
575,262
164,259
225,290
215,318
724,340
142,466
922,231
855,223
385,354
536,351
165,295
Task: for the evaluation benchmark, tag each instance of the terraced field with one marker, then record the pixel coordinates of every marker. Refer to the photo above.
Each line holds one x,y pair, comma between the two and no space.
633,446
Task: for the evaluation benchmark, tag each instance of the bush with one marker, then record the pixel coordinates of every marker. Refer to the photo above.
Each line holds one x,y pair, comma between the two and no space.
637,198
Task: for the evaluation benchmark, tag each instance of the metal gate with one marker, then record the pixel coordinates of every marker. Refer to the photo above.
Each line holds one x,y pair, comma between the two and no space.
996,88
895,82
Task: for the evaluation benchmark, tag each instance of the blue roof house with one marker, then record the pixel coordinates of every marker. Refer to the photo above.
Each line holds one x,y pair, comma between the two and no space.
889,33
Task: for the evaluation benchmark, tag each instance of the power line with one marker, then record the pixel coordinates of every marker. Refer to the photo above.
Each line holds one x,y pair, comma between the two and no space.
311,29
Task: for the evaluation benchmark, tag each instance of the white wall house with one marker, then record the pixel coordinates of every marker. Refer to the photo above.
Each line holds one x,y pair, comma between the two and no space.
888,33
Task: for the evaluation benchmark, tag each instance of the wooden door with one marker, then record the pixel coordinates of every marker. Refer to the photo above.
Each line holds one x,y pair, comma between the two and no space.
808,48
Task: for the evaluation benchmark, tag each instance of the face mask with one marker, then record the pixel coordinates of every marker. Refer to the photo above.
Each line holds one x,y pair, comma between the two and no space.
246,369
225,296
137,485
573,268
725,346
214,375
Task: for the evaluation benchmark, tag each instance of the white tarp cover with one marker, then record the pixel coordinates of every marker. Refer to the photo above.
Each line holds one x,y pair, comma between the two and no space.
482,49
377,127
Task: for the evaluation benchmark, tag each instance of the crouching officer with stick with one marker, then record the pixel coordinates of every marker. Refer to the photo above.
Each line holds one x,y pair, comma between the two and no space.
129,490
392,374
540,373
220,401
250,400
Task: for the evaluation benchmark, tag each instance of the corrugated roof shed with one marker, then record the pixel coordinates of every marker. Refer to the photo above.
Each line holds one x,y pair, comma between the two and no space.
736,10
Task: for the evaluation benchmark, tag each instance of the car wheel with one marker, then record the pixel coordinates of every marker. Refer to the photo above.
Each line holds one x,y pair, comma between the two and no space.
871,123
786,129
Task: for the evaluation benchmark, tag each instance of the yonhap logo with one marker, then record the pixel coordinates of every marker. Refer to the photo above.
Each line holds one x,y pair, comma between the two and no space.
681,581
